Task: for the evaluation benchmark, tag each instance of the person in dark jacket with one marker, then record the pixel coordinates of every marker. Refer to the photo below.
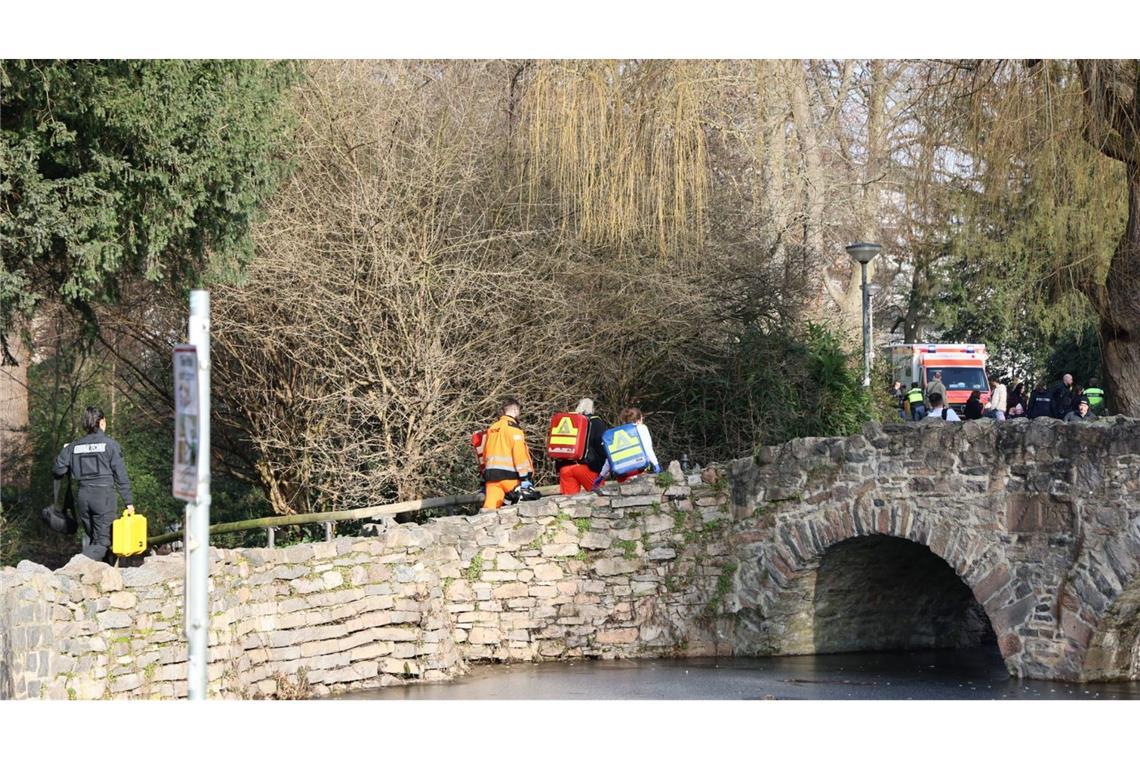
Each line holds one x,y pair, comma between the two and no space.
574,477
1061,397
899,395
1017,402
1040,403
96,462
1082,413
974,407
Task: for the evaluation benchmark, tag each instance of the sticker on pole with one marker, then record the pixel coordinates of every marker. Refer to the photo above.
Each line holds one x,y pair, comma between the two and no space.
186,423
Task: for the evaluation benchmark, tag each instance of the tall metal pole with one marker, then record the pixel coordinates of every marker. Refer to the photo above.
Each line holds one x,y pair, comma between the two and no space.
866,329
197,520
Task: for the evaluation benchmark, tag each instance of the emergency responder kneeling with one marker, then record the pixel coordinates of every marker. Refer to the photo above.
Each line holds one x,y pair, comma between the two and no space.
96,461
506,458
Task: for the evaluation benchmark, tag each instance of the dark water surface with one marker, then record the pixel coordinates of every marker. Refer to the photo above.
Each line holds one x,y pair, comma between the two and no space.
941,674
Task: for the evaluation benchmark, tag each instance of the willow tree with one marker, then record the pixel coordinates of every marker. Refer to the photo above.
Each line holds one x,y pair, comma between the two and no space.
620,147
1051,155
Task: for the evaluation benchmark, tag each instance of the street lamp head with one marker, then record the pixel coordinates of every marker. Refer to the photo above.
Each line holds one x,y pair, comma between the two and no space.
863,252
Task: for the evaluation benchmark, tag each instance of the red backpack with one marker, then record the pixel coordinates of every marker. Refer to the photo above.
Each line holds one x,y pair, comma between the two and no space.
566,438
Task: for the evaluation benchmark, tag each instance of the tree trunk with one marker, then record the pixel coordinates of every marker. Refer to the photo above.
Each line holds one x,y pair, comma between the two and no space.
14,452
774,203
1119,310
1112,94
869,225
813,173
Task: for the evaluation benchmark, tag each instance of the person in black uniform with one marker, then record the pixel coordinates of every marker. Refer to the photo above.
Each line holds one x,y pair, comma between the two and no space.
1062,399
1040,403
96,462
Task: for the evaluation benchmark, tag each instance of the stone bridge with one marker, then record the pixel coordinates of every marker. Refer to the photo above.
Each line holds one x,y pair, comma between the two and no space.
913,536
1020,535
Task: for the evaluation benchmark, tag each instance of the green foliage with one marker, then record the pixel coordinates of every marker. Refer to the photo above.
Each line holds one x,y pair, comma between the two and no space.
723,587
117,170
474,570
766,386
629,548
1078,352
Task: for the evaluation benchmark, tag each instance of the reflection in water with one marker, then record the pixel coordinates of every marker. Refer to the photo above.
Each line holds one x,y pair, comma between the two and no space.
935,674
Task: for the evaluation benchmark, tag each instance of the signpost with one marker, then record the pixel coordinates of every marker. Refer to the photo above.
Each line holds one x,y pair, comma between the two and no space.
192,481
186,431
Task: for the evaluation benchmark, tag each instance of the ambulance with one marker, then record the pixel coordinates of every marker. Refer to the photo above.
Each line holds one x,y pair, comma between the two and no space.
963,367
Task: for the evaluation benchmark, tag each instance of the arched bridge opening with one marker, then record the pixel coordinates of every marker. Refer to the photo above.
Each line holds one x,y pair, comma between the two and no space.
880,593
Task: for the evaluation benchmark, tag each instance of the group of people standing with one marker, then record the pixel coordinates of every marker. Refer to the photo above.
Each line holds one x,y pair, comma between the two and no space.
1064,401
507,464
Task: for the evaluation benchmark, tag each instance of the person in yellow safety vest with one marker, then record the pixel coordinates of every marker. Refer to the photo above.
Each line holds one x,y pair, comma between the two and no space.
1095,394
915,403
506,458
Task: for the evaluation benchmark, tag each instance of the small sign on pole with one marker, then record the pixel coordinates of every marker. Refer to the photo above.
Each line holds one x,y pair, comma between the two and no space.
186,429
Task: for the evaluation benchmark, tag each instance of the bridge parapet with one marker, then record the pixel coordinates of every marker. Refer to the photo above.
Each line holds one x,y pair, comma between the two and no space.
642,571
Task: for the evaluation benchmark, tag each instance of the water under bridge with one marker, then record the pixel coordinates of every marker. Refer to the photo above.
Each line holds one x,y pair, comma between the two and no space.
1023,534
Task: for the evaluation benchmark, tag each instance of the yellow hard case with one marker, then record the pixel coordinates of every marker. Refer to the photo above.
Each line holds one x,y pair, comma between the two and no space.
128,534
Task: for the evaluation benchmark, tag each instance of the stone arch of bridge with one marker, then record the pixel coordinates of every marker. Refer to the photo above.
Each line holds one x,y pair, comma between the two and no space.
791,564
1099,609
875,593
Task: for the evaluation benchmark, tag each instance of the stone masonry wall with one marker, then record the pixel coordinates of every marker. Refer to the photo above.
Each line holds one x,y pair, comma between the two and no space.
640,572
1039,519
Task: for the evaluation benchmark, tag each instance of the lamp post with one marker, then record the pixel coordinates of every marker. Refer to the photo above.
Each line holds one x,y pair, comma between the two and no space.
863,253
872,291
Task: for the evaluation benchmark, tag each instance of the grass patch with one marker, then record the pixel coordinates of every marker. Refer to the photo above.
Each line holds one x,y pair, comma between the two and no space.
665,479
582,524
474,570
723,586
629,548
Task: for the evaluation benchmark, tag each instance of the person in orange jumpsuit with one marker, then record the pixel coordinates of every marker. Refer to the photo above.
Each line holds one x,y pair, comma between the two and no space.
506,458
581,475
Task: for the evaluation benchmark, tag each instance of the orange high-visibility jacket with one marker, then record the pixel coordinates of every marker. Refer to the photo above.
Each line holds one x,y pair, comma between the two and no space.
505,455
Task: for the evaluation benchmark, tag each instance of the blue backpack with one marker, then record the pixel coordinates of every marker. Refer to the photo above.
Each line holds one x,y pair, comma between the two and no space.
624,449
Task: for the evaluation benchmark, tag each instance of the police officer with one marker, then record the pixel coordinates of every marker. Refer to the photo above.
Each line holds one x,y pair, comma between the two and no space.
1061,397
1040,403
96,461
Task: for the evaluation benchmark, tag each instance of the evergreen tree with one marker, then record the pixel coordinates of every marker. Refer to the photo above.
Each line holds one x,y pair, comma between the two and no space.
112,171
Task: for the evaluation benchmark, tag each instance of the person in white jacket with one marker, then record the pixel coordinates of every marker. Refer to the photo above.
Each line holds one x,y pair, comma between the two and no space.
995,407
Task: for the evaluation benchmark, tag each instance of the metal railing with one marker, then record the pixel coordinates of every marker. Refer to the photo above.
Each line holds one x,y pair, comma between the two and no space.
271,524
